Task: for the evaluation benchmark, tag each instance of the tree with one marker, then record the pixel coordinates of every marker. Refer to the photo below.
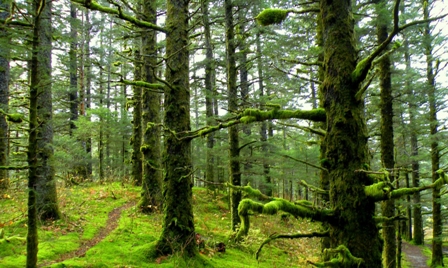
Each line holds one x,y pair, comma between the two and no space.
437,253
353,233
4,95
234,151
42,198
136,140
152,174
45,184
73,68
387,134
178,226
209,78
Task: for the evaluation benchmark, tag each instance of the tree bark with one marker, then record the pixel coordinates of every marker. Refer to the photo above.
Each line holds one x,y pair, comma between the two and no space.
264,125
387,135
234,152
209,77
178,225
46,195
4,95
437,254
73,69
136,140
151,198
418,235
346,138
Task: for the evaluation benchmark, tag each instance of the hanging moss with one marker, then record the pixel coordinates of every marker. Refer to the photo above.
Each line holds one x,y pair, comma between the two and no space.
271,16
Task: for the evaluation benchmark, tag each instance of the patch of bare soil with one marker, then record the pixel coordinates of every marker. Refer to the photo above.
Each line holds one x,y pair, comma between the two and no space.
414,255
111,224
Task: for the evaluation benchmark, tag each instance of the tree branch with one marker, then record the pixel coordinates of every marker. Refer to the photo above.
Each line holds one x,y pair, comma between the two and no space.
278,236
144,85
383,191
92,5
363,66
275,205
255,115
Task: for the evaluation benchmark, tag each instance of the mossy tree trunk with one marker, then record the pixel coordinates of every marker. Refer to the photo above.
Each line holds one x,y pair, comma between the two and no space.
73,69
42,200
387,134
178,226
234,152
437,254
136,140
152,174
46,201
4,95
209,78
346,138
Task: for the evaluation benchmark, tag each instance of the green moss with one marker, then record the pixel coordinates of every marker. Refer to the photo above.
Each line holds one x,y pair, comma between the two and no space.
15,118
360,69
271,16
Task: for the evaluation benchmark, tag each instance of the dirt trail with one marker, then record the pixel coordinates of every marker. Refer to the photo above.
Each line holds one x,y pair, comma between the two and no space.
111,224
414,255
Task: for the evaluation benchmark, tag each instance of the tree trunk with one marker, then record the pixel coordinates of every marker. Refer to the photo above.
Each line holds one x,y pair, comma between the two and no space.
415,166
264,124
46,195
209,77
178,225
136,140
346,139
437,254
234,152
4,95
73,69
88,75
244,84
387,136
152,175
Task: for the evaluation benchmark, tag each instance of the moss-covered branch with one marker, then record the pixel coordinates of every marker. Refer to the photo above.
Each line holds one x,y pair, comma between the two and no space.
288,236
13,118
384,191
313,188
275,205
152,86
344,259
93,5
255,115
250,192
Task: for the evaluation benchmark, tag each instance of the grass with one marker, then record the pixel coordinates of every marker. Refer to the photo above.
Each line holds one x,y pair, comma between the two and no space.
85,210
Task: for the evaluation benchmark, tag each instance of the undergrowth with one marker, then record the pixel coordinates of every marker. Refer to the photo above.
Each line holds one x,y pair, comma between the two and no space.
85,210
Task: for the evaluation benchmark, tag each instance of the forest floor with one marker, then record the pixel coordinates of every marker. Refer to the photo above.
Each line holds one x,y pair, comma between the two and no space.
101,227
414,256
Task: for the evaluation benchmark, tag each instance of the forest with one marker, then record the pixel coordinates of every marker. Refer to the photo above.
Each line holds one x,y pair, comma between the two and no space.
227,133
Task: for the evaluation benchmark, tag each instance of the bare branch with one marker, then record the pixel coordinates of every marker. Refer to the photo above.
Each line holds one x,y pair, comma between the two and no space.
299,235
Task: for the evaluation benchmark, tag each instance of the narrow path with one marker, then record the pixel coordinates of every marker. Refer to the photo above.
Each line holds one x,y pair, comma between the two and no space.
111,224
414,255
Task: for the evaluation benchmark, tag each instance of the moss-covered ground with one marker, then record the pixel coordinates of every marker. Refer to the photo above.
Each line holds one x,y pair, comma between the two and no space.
85,211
